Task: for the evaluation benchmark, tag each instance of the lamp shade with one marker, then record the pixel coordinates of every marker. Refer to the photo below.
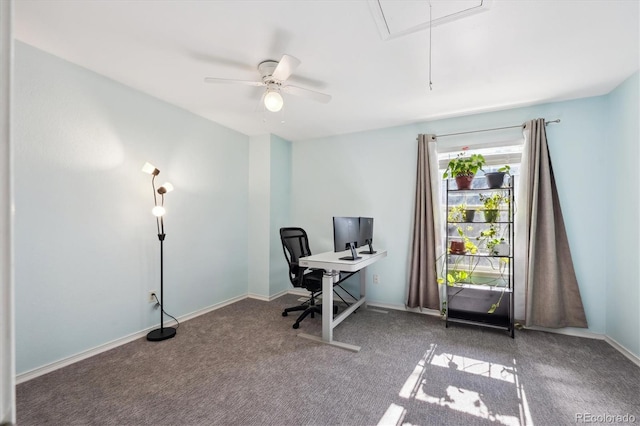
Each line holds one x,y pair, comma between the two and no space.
273,101
158,211
166,187
150,168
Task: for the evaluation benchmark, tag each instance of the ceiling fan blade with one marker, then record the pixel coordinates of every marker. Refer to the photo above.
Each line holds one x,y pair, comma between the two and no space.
230,81
285,67
306,93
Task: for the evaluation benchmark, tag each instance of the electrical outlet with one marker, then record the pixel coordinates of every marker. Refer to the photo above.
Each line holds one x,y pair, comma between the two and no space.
376,279
152,296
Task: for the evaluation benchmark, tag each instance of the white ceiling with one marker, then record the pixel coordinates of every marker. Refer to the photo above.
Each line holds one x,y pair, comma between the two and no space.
511,53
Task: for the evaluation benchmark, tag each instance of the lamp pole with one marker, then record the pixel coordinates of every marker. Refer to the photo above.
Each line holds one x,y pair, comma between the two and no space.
163,332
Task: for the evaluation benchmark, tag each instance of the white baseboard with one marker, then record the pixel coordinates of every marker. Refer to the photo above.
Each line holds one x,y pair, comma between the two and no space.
297,292
268,298
48,368
424,311
624,351
259,297
568,331
32,374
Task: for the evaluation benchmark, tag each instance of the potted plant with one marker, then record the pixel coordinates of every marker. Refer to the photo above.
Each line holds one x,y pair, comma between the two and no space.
491,206
463,168
457,247
464,244
496,179
461,213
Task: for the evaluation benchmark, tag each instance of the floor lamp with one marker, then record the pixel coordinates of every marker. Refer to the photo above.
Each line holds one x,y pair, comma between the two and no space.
158,211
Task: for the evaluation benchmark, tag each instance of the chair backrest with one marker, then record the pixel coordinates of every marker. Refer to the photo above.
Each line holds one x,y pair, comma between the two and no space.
295,245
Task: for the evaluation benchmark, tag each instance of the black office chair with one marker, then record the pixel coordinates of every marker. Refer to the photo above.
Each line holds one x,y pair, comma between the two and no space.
295,245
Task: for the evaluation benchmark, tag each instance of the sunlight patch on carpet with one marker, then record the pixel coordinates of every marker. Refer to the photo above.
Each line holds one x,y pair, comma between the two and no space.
419,387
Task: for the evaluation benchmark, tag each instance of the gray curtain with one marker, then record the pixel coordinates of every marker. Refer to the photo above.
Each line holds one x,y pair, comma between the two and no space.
551,288
423,284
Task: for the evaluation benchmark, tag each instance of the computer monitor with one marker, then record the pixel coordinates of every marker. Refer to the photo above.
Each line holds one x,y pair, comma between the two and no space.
346,231
366,234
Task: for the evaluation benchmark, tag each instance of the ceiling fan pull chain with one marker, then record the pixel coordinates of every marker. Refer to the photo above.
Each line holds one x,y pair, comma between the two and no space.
430,25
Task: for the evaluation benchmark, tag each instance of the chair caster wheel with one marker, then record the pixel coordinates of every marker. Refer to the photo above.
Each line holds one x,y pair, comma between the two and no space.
296,325
284,314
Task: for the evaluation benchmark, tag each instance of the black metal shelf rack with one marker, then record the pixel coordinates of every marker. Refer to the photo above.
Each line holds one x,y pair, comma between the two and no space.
470,300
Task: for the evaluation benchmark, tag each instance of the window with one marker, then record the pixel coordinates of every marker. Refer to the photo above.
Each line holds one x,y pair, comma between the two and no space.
477,231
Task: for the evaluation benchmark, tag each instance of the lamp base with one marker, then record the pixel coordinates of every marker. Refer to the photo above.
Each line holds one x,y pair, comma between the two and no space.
161,334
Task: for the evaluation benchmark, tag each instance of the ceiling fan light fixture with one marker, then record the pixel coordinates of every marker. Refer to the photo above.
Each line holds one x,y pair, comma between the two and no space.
273,100
273,76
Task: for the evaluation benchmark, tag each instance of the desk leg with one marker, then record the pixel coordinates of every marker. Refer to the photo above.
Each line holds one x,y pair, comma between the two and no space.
328,322
363,286
327,307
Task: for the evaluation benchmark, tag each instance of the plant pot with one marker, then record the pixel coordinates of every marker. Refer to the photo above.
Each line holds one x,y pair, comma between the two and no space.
468,215
457,247
494,179
464,181
491,216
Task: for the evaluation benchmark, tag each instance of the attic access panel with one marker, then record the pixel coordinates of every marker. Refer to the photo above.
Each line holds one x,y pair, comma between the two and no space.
397,18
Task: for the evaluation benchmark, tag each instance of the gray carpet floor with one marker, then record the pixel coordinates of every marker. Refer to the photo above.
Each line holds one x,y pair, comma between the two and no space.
244,365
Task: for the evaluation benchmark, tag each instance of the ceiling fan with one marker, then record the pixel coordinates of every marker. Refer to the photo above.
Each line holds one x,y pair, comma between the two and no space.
274,75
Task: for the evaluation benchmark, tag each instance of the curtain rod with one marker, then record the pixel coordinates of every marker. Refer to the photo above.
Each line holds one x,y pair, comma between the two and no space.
490,130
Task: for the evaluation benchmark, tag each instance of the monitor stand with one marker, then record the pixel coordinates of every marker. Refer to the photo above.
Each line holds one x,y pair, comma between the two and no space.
371,250
354,253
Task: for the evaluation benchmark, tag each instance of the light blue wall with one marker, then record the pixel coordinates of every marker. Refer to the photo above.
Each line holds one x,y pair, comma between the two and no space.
259,215
280,212
622,252
86,250
364,174
373,173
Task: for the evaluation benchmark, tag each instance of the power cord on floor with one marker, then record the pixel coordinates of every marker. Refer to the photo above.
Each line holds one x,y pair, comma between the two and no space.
165,312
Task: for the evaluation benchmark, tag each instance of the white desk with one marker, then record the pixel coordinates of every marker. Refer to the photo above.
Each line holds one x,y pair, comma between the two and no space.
331,263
